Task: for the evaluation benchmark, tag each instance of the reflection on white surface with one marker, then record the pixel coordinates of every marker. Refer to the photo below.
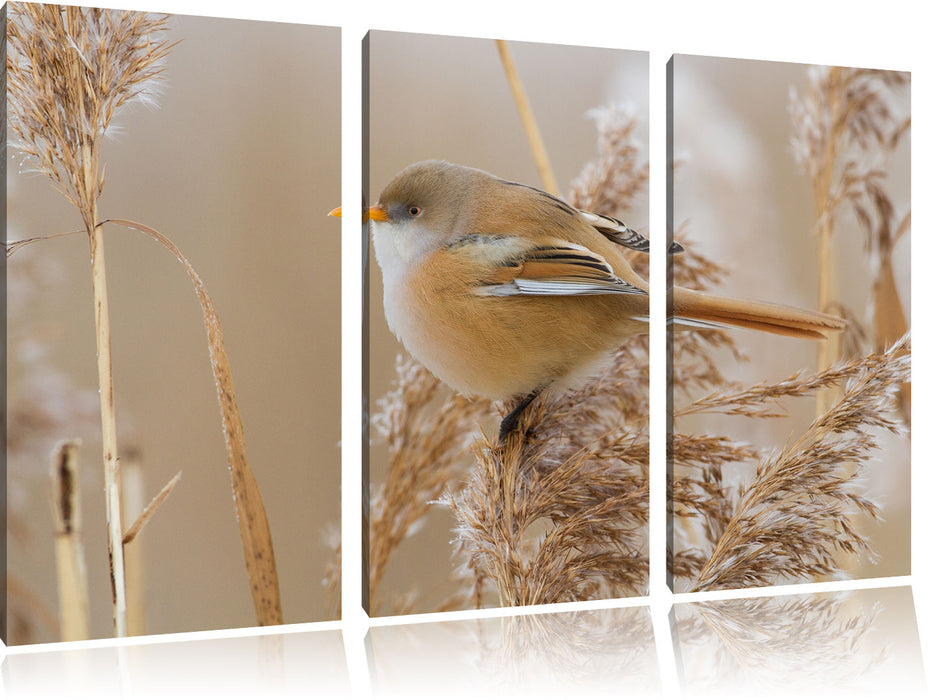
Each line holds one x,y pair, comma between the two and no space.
593,653
861,643
855,644
299,664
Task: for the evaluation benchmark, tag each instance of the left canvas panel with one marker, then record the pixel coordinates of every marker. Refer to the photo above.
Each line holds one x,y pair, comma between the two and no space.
163,137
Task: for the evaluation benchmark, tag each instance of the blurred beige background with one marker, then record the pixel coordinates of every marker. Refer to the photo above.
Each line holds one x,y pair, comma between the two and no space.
239,165
748,207
447,97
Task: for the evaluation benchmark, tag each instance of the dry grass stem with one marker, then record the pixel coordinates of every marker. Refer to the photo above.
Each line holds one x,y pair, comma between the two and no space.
109,431
147,513
74,616
529,121
11,247
255,533
133,493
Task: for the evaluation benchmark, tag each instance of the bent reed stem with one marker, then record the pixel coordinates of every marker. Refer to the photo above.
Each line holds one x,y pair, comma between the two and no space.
529,121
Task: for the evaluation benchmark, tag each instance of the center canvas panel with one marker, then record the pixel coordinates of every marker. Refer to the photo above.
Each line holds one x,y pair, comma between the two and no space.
506,359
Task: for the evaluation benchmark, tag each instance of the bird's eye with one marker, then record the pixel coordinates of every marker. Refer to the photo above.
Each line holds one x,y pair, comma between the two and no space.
414,211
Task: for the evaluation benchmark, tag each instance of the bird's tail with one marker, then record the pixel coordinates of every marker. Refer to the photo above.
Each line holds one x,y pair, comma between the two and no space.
693,308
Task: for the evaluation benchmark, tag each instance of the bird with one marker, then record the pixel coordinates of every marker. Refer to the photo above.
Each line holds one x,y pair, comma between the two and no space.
502,290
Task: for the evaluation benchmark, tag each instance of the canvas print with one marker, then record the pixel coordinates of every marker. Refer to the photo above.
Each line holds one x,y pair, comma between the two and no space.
789,338
506,363
172,406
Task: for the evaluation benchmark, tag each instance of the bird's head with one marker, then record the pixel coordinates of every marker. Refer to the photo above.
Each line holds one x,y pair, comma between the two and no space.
426,206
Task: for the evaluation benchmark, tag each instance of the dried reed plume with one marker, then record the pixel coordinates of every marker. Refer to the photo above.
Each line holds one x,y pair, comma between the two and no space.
558,511
69,70
844,127
801,507
618,174
427,437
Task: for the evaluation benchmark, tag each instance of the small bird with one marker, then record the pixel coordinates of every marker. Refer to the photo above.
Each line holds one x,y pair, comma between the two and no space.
502,290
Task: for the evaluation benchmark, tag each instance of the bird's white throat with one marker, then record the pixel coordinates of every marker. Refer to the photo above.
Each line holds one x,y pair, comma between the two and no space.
397,247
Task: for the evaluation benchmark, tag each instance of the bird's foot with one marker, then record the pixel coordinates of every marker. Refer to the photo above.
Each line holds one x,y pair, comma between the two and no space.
511,421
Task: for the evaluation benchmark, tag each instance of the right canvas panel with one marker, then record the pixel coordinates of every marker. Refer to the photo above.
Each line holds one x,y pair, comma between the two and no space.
789,315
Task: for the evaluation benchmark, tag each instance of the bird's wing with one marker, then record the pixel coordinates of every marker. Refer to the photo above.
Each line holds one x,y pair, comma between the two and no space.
617,231
554,268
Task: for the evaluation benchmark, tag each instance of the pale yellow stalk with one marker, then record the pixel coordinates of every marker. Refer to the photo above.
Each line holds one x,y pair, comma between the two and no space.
529,121
134,501
71,568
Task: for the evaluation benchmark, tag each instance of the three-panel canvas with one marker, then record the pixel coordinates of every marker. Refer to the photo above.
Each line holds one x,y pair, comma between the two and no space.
172,454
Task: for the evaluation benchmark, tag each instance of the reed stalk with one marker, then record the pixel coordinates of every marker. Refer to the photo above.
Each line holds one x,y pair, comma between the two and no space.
74,620
112,500
256,537
845,126
828,350
529,121
133,498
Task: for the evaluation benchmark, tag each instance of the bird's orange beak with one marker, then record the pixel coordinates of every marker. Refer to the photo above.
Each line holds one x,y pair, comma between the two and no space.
376,212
